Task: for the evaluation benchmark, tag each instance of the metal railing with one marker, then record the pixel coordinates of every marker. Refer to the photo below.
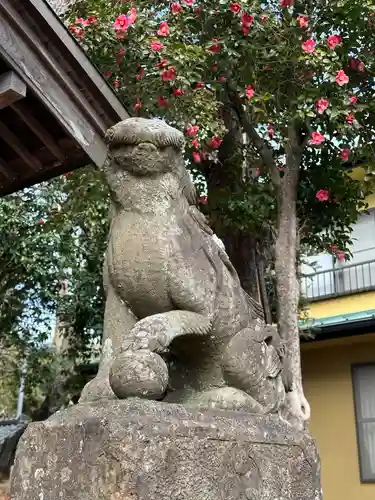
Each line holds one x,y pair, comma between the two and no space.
345,280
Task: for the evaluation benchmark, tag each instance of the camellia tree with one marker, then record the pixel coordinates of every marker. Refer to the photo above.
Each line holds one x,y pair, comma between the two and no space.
276,104
276,101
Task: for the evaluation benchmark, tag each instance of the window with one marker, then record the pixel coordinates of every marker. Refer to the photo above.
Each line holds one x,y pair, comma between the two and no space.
364,398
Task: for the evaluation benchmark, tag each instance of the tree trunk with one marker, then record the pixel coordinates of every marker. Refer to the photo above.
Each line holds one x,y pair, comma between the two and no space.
287,284
242,247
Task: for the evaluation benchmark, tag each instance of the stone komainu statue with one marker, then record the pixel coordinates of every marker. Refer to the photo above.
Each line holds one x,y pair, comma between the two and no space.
178,326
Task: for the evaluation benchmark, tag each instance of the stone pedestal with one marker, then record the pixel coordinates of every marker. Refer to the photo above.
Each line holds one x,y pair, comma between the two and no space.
145,450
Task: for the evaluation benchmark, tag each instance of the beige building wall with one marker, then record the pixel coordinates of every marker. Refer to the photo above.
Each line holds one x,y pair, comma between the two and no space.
328,387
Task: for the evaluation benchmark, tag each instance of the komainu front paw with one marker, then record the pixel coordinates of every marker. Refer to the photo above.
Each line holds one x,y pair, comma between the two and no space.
152,333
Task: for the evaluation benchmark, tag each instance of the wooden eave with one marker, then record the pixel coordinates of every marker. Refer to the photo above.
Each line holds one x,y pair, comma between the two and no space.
54,105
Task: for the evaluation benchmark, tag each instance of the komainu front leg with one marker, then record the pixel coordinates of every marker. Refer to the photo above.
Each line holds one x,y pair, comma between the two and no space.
118,322
140,371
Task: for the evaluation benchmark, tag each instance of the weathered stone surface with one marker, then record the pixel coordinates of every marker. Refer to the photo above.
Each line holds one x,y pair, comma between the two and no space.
145,450
177,325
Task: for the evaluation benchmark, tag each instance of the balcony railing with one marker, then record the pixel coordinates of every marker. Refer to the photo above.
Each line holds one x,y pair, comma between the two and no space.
345,280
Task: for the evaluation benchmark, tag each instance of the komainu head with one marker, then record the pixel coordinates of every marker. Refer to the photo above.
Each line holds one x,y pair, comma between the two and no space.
145,147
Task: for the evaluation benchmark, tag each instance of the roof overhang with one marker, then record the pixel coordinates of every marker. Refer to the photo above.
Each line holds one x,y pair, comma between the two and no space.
54,105
343,325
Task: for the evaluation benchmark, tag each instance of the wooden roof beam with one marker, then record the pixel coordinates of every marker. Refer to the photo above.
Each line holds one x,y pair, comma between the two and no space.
12,89
4,169
23,51
12,140
26,115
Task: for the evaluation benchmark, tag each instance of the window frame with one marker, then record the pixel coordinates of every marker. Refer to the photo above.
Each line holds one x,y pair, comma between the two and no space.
358,421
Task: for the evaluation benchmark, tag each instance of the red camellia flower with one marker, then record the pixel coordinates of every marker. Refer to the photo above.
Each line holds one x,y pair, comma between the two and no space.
287,3
108,74
215,47
247,21
203,200
178,92
138,105
221,79
77,32
120,56
356,65
163,30
199,85
333,248
188,2
353,100
162,102
121,23
360,67
132,16
162,64
322,195
176,8
317,139
68,174
215,143
303,21
41,222
235,8
168,76
249,92
116,83
196,157
192,131
345,153
140,74
333,41
92,20
197,10
342,78
270,131
214,68
195,144
350,119
309,46
321,105
340,256
156,46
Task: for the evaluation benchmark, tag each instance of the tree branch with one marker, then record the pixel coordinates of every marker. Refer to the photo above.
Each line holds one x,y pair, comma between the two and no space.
259,143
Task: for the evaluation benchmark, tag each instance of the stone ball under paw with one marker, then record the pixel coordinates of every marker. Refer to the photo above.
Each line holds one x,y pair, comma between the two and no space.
141,374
